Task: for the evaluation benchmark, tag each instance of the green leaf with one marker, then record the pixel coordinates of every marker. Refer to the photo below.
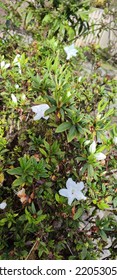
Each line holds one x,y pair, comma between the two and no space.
102,105
47,146
115,202
3,6
57,197
33,208
29,18
47,19
3,221
103,235
40,219
28,216
83,253
18,182
50,110
109,113
102,205
43,152
62,127
78,214
80,159
83,14
82,171
72,133
81,129
15,171
90,170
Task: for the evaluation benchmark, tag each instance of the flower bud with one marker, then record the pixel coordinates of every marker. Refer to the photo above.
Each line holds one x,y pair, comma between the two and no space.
92,147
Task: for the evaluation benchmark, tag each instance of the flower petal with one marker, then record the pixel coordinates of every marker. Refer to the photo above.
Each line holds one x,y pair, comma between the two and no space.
92,147
115,140
64,192
37,117
100,156
14,98
3,205
80,196
7,65
70,199
80,186
16,86
70,184
2,64
16,59
70,51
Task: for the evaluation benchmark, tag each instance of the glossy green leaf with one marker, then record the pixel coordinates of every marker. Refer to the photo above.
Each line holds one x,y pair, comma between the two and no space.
78,214
63,127
72,133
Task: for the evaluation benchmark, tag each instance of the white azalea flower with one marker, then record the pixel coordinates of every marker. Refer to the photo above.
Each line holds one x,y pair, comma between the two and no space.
4,65
14,98
16,62
40,111
92,150
92,147
73,191
115,140
16,59
100,156
3,205
16,86
80,79
70,51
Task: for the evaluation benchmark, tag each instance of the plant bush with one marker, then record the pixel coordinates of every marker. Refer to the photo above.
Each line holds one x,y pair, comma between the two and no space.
76,137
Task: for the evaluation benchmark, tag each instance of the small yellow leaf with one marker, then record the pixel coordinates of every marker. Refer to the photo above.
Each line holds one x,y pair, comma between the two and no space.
1,178
58,115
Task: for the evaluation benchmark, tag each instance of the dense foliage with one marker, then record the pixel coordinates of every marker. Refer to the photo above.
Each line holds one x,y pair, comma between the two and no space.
75,137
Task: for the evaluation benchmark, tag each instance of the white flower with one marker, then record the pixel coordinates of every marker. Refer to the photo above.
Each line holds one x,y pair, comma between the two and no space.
92,147
4,65
92,150
115,140
70,51
16,62
14,98
73,191
16,59
79,79
100,156
3,205
16,86
40,111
